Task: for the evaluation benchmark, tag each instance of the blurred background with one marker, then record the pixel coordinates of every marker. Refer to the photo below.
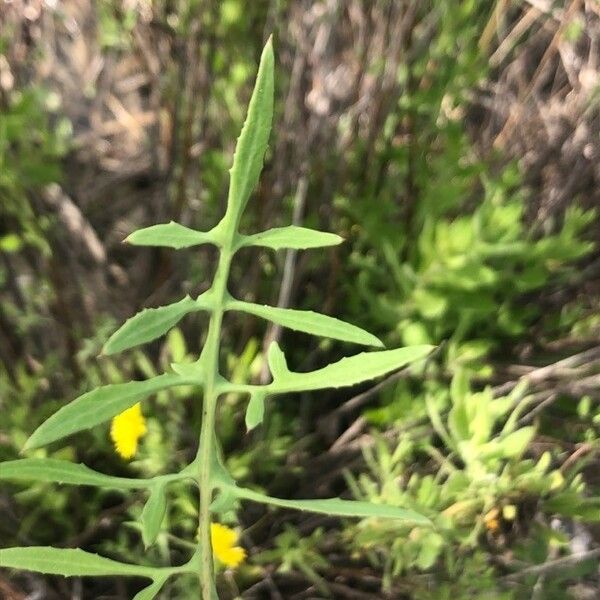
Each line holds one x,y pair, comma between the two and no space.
455,145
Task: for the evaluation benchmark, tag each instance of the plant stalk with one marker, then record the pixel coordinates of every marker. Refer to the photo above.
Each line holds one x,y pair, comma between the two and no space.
209,360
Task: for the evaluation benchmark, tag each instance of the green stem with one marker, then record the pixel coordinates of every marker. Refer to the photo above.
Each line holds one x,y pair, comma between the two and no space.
209,359
206,489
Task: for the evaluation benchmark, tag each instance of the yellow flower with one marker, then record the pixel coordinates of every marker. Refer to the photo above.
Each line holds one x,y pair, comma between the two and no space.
223,543
492,520
126,430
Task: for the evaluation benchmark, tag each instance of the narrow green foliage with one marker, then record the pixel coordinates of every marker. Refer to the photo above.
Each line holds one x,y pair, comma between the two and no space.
151,323
253,140
308,322
62,471
277,362
298,238
515,443
153,514
255,411
338,507
100,405
345,372
67,562
172,235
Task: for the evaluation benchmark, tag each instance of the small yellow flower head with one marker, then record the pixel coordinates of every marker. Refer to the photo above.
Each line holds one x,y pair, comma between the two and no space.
126,430
492,520
223,543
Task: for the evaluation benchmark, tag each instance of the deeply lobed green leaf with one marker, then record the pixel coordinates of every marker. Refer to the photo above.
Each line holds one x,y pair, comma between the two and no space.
353,370
346,372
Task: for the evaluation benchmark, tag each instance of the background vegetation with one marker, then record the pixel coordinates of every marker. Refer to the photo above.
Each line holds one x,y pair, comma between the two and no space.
455,145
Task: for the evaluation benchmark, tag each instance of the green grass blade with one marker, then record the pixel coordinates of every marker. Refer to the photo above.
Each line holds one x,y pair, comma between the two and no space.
252,143
171,235
62,471
308,321
150,324
297,238
67,562
98,406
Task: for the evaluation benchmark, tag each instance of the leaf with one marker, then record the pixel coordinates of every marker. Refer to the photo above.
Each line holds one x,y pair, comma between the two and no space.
515,443
308,322
171,235
219,475
571,504
431,546
459,420
459,386
191,370
252,143
153,515
337,507
150,324
255,410
10,243
350,371
62,471
437,423
150,592
98,406
67,562
277,363
224,502
298,238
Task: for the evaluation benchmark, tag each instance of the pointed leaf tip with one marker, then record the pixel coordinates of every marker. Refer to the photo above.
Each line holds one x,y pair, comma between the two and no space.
277,362
153,515
255,411
252,143
268,47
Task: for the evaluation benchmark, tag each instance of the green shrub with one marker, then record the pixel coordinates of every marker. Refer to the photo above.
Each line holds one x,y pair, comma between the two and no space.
479,485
